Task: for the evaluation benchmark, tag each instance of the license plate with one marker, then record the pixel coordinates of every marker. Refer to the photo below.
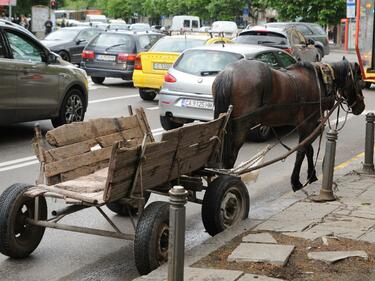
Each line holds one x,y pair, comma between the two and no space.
106,57
198,104
162,66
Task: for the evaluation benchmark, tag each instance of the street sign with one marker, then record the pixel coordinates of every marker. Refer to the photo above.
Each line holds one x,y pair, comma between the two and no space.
6,2
350,9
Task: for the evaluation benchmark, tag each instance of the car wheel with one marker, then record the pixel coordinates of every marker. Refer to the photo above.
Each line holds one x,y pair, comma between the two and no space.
72,108
64,55
147,95
97,80
260,134
168,124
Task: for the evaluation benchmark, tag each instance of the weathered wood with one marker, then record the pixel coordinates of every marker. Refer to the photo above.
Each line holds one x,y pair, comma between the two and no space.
82,171
34,192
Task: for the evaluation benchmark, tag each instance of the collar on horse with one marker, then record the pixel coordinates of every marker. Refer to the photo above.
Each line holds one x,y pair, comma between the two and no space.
328,77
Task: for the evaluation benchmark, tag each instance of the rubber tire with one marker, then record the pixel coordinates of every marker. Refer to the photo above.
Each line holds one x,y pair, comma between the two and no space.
168,124
260,134
122,210
147,95
60,120
11,199
64,54
211,206
97,80
146,235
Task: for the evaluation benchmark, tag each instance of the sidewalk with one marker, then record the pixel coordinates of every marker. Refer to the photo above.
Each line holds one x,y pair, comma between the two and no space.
295,238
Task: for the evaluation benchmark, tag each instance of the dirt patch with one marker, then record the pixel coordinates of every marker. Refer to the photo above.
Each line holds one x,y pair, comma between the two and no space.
299,267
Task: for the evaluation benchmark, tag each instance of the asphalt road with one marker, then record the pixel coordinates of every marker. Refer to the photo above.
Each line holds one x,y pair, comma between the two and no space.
70,256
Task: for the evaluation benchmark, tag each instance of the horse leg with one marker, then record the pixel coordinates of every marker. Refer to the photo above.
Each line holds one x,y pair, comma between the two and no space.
296,184
311,172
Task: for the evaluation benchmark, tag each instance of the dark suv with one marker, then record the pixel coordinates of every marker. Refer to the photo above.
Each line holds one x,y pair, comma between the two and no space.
36,84
113,53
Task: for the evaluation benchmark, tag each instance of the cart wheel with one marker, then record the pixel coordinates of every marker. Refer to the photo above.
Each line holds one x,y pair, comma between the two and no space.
151,237
124,209
225,203
17,238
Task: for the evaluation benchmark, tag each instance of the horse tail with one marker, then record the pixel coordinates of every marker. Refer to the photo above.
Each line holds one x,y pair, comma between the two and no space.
222,90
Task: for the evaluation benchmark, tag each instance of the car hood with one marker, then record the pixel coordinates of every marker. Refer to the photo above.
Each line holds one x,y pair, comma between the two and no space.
54,43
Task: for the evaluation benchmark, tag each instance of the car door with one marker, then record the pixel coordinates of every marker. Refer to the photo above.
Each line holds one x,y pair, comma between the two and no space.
309,51
80,43
297,47
37,82
8,82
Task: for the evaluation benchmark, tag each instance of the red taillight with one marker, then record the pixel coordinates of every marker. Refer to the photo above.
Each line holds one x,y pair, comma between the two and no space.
138,62
169,78
121,57
88,54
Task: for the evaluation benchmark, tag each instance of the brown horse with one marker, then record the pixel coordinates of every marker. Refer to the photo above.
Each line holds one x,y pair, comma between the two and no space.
296,96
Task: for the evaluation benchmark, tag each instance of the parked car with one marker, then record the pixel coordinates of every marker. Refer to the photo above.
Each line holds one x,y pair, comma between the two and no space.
35,83
96,18
140,27
186,94
309,30
112,53
151,66
290,40
69,42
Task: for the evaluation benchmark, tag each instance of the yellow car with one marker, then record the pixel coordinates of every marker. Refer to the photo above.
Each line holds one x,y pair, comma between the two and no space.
150,67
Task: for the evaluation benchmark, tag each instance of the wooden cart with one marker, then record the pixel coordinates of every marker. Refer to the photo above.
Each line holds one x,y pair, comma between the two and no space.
116,162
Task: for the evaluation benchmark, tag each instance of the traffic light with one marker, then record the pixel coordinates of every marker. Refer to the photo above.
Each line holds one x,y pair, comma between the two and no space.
54,4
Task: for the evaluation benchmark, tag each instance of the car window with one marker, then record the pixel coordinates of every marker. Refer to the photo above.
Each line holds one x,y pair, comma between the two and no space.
203,63
23,49
304,29
147,41
186,23
262,38
317,29
285,59
62,35
194,24
176,45
268,58
113,42
87,34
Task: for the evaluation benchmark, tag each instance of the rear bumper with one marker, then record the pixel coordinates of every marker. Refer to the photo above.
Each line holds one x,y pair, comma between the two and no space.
170,105
147,80
100,72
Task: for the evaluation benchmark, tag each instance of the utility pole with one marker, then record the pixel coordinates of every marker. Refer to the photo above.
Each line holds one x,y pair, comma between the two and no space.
10,10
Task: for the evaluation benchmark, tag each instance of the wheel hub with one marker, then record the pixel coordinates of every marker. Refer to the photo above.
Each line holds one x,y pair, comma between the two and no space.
74,109
162,250
230,208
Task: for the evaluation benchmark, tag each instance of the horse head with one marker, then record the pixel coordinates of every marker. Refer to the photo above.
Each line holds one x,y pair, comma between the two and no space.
350,86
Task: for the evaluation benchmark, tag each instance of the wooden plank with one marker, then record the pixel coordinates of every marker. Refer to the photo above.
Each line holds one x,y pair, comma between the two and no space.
77,161
142,114
83,171
81,131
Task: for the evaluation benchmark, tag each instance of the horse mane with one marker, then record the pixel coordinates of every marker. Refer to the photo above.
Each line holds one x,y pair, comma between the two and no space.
341,71
222,87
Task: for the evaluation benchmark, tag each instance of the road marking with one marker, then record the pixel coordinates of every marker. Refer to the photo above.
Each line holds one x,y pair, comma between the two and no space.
25,164
16,161
114,98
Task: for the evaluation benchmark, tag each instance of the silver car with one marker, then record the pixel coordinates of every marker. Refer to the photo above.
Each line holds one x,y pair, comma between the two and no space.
186,94
35,83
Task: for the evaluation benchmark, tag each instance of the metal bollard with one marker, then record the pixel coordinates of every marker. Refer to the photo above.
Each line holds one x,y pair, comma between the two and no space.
368,165
176,246
326,192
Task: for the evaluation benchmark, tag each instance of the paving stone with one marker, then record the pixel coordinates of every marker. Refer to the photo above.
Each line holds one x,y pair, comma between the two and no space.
206,274
298,217
267,253
260,238
368,237
333,256
253,277
310,234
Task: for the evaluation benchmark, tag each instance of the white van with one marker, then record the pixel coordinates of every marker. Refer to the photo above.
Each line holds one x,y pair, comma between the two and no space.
96,18
229,28
191,23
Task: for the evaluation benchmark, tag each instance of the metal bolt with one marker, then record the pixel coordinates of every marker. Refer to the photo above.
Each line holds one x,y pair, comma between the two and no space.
368,165
326,192
176,247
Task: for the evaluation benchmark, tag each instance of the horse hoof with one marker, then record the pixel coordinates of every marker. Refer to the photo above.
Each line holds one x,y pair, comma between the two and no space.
312,178
297,186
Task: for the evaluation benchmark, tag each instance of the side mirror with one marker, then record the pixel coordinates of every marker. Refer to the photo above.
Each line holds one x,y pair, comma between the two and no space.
51,58
79,41
310,41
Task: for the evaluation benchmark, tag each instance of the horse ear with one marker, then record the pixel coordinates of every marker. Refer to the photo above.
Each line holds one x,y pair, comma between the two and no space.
343,58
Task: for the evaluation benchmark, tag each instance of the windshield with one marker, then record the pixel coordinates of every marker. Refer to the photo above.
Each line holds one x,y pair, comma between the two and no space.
140,27
113,42
262,39
62,35
205,63
176,45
